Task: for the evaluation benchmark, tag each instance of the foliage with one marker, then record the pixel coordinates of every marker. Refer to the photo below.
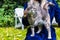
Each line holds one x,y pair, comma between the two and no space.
7,11
10,33
58,1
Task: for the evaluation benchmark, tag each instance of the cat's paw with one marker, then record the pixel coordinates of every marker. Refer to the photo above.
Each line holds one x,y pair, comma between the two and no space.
49,37
38,31
32,35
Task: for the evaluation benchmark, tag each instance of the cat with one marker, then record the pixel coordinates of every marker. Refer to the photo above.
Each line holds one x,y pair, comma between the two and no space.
38,15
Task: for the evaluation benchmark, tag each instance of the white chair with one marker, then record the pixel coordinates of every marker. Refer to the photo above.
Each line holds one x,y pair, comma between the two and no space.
19,12
54,22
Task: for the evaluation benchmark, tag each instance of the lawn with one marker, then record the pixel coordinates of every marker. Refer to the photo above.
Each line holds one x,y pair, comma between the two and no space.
10,33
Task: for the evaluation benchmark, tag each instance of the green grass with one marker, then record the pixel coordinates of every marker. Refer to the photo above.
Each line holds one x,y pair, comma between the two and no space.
10,33
58,33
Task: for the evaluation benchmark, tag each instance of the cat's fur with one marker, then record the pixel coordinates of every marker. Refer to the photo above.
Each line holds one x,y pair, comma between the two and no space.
37,15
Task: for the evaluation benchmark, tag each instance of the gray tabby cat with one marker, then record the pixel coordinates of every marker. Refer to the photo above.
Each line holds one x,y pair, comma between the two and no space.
38,15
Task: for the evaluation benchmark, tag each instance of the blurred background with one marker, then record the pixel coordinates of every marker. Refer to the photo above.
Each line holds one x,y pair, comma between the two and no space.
7,11
7,20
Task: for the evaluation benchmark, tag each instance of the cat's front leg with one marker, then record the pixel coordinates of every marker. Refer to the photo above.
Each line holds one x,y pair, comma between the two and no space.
33,33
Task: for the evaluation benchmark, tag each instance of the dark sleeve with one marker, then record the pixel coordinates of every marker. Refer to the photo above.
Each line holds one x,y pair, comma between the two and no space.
24,19
56,6
25,5
49,0
57,11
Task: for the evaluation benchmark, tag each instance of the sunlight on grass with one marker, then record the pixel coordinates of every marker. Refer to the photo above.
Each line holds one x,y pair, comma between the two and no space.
10,33
58,33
